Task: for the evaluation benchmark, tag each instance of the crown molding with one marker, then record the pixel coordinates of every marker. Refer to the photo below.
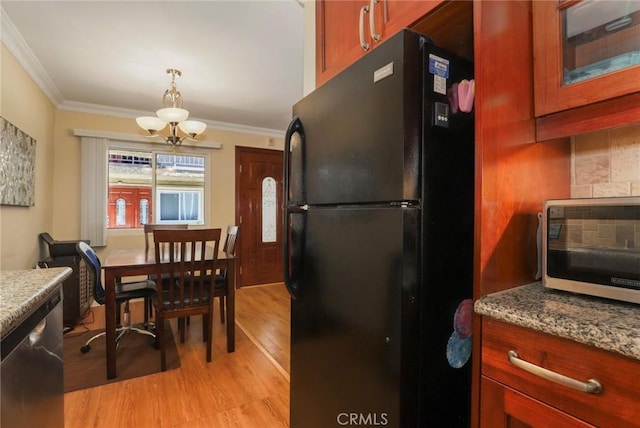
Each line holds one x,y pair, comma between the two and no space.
129,113
122,136
14,41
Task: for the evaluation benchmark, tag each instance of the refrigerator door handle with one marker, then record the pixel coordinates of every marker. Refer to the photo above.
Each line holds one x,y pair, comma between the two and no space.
295,126
290,277
285,248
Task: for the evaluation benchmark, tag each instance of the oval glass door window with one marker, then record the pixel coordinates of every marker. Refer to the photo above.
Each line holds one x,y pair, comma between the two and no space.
269,202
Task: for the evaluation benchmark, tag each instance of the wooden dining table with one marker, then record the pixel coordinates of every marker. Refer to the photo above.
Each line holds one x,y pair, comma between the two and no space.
140,262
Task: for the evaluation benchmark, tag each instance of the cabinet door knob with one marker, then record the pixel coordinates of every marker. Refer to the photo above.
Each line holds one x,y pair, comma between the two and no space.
363,44
591,386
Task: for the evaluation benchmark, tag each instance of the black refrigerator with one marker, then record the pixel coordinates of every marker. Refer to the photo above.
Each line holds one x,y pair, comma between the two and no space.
378,241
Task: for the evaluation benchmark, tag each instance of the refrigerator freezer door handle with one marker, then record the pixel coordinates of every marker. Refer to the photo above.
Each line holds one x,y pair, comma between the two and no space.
294,127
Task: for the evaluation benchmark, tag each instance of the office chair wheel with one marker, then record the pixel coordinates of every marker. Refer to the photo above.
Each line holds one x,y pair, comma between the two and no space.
85,349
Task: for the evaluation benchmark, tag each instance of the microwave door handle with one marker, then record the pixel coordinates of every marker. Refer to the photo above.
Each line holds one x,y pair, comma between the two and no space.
539,247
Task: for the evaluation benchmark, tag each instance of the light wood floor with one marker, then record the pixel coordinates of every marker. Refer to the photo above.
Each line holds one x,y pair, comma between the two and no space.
247,388
264,316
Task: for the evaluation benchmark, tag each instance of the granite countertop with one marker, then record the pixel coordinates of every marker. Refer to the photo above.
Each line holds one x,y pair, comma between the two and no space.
21,291
602,323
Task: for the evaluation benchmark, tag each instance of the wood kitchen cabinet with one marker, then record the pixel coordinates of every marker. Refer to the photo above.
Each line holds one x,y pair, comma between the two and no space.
587,58
505,407
344,27
514,397
514,174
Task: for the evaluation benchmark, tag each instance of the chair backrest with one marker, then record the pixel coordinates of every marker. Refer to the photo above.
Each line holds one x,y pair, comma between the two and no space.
94,269
149,228
190,261
230,241
229,246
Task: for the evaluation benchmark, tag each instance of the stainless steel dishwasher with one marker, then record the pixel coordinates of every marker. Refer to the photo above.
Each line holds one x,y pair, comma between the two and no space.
32,369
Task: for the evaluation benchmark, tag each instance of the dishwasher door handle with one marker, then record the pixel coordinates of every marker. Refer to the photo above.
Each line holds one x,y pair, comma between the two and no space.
36,333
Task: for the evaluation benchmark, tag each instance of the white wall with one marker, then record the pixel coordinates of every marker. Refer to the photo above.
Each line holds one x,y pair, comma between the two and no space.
24,105
309,81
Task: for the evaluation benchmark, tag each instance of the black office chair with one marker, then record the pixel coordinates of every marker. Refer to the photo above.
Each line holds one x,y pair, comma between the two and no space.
124,293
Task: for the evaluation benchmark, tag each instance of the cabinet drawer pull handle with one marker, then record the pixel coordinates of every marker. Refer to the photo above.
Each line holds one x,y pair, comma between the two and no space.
591,386
364,45
372,21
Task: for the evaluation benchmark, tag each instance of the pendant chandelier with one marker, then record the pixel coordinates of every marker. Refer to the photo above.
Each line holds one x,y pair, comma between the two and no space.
173,115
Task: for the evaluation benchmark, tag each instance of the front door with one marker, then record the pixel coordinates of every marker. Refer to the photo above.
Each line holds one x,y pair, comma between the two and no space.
259,215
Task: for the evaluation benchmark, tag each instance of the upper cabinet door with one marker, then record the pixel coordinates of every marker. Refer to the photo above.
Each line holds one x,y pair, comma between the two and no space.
337,36
346,29
584,52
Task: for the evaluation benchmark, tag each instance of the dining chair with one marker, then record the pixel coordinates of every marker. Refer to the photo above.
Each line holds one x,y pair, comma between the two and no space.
229,248
220,287
125,291
148,237
189,261
149,228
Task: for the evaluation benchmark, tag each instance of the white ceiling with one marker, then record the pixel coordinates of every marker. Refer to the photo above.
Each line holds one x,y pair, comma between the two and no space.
241,61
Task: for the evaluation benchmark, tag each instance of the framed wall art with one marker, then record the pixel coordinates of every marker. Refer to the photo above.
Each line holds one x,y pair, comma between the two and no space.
17,166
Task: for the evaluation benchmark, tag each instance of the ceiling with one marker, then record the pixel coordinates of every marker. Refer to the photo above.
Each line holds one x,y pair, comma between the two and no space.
241,61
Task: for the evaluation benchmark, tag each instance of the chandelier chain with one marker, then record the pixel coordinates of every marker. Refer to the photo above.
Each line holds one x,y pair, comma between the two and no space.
172,97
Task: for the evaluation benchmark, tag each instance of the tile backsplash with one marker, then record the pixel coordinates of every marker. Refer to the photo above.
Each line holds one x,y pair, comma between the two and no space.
606,163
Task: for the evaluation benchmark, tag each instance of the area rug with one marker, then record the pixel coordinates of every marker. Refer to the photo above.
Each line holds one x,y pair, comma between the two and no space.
135,357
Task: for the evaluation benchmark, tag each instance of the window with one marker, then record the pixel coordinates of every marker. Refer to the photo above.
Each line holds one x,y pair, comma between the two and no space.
149,186
144,211
121,212
94,189
179,206
269,209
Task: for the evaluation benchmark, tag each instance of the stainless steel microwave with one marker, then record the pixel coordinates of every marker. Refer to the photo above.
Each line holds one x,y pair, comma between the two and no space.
592,246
